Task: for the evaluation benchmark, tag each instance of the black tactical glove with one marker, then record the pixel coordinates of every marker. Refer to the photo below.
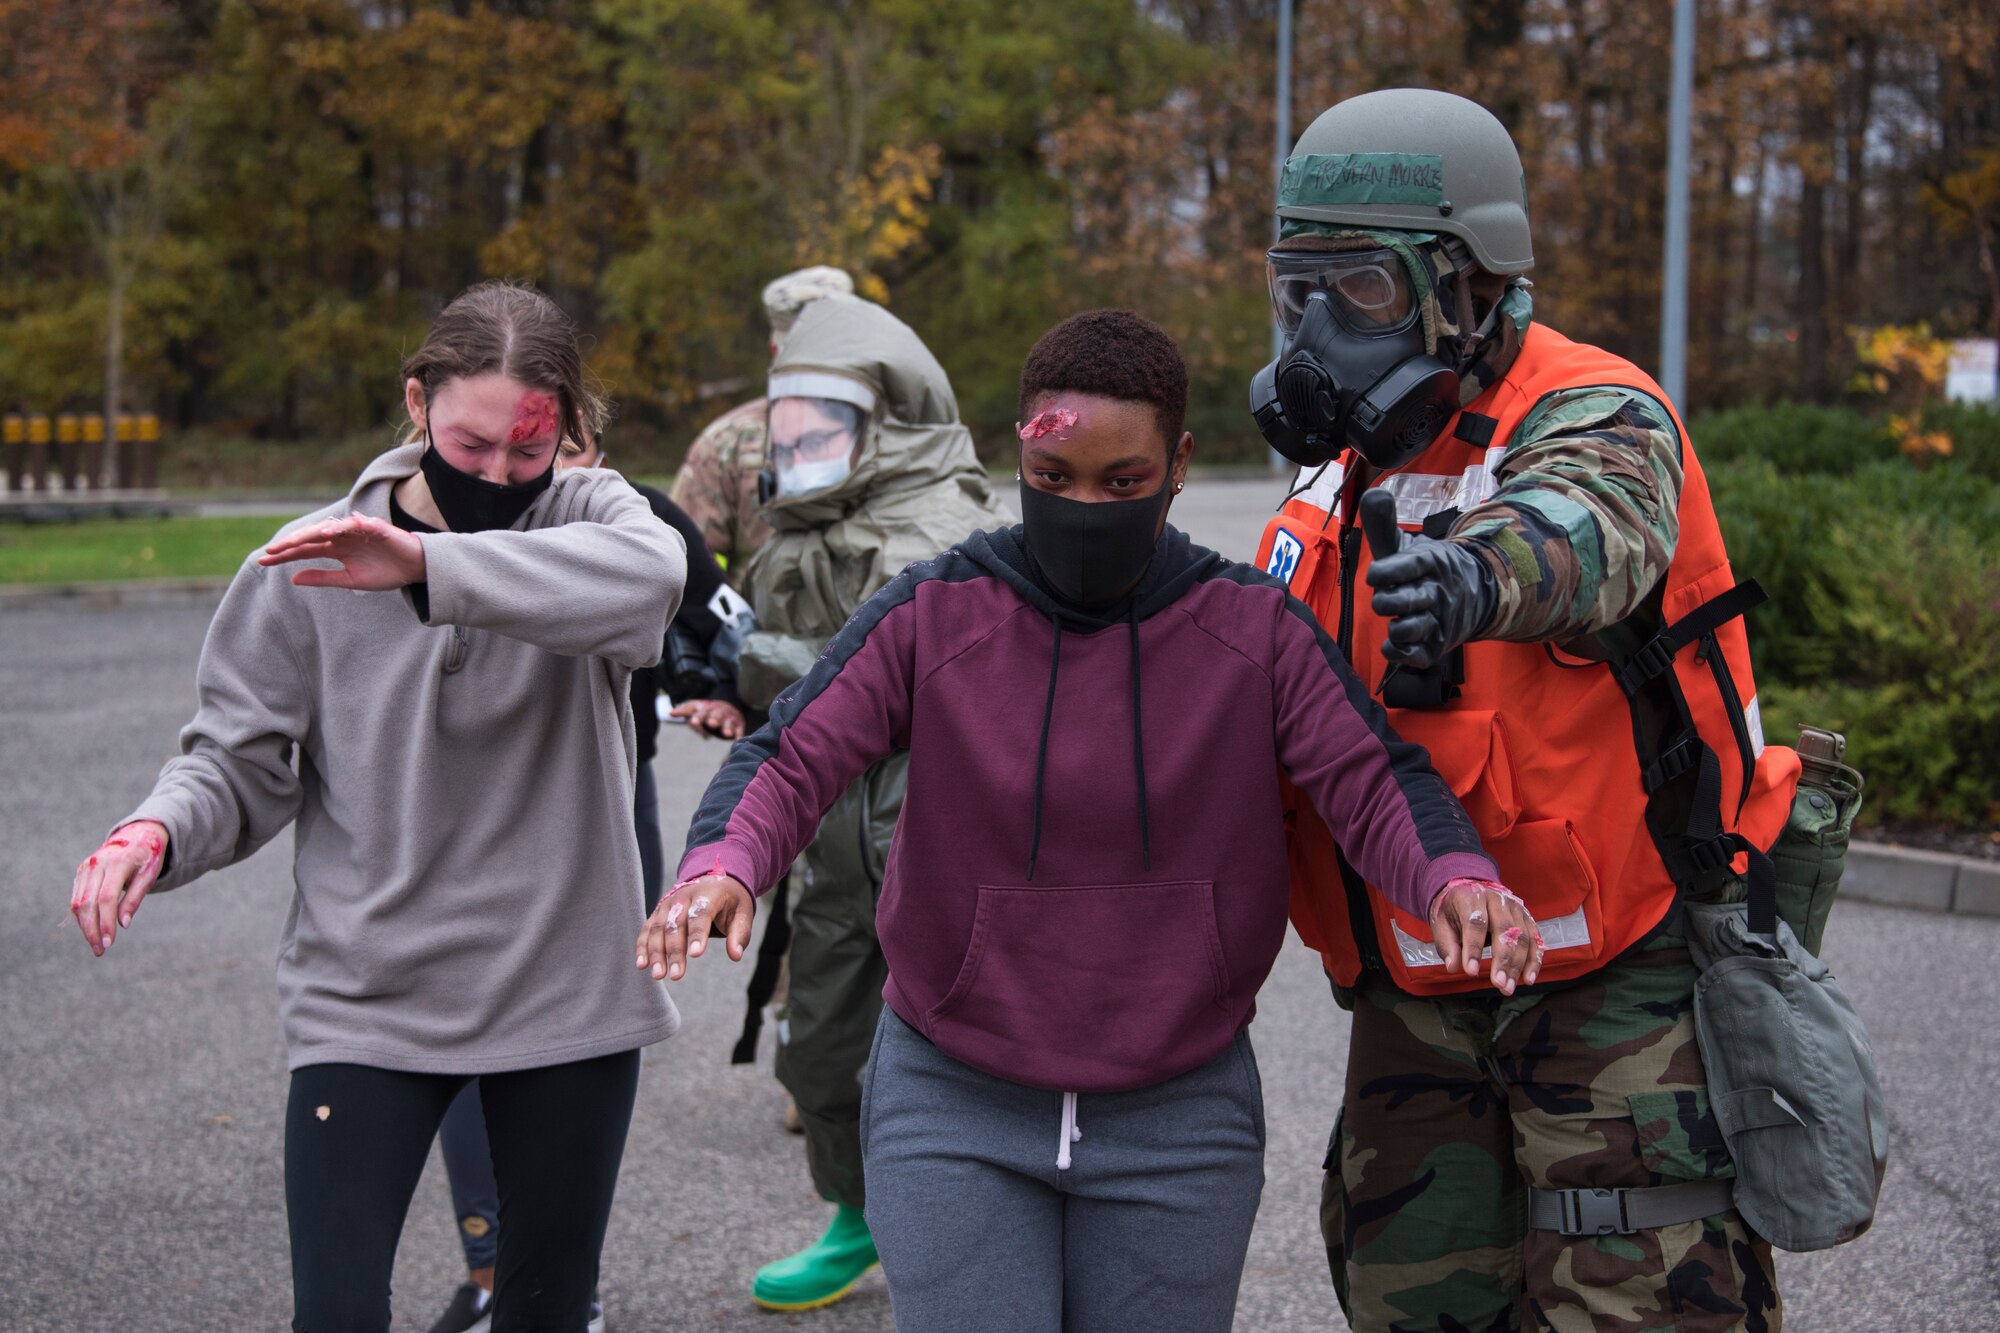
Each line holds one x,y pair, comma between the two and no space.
1435,594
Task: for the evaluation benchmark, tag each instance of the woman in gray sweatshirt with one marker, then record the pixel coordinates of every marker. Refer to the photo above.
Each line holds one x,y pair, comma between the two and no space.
454,738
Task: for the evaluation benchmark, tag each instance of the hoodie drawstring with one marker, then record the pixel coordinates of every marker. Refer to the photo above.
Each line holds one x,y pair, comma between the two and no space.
1139,743
1070,1133
1042,750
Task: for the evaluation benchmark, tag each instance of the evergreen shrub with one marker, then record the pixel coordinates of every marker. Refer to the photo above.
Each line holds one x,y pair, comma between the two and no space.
1884,619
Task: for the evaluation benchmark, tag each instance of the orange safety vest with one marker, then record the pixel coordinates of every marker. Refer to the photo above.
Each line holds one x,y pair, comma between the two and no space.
1556,758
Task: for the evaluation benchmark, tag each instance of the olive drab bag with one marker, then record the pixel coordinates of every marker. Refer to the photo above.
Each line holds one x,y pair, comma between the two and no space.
1791,1076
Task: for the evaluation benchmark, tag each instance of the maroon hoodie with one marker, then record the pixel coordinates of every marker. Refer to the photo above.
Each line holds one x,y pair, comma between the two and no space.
1088,883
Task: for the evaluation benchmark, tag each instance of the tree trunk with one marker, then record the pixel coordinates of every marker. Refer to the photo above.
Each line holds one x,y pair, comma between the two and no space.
1860,67
1810,311
114,374
1750,299
1492,27
117,273
1815,340
1713,337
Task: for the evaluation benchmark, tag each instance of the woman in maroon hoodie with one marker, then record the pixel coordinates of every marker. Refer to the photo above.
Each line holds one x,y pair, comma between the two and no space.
1088,884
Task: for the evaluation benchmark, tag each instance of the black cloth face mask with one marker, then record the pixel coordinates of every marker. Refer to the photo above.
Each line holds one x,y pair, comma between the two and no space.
1091,554
473,504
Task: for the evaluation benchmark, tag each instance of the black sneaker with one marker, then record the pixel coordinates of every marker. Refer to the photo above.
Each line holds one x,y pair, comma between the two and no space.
470,1311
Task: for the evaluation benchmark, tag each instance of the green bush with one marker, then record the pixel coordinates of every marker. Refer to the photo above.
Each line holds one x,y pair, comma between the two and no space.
1793,437
1912,629
1884,621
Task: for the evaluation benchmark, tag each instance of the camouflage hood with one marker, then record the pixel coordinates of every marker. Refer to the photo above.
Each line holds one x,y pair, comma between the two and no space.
1480,361
917,486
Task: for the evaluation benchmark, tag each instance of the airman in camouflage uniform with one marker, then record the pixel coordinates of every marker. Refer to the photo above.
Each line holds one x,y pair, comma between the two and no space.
1462,1102
717,485
1454,1106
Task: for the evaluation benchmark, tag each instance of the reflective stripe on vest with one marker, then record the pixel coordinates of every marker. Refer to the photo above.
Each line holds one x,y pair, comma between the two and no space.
1538,747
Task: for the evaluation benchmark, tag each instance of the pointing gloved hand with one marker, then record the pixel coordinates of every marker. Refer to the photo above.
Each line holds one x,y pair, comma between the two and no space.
1435,594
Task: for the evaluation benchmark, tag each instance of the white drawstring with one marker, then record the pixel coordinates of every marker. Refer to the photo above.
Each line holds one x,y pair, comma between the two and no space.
1070,1133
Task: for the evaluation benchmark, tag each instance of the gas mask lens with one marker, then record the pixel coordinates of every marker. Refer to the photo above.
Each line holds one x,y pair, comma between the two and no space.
1370,288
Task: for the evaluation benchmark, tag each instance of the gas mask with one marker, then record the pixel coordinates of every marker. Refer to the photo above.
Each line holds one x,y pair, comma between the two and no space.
1353,372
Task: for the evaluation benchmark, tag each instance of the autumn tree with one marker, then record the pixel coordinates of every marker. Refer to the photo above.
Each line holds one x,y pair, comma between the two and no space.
82,106
248,209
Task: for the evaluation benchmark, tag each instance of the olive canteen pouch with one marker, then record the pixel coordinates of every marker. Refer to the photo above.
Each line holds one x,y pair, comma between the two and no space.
1811,851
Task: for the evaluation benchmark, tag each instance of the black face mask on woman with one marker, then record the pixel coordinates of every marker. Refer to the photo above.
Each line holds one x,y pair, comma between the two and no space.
1091,554
473,504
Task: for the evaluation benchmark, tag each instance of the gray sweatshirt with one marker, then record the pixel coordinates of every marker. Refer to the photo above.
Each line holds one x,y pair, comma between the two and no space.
467,880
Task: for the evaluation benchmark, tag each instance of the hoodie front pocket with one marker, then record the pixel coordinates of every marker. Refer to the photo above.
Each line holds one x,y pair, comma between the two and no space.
1092,987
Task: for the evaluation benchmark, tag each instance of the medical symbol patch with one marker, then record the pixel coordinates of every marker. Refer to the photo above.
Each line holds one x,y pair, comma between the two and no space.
1285,553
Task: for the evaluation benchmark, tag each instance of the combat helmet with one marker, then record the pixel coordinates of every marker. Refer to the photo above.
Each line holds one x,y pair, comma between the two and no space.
1414,159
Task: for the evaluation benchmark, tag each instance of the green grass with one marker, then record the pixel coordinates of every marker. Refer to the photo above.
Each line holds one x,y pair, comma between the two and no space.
149,548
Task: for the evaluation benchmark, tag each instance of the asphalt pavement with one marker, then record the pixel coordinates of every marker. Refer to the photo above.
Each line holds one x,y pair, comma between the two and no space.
142,1095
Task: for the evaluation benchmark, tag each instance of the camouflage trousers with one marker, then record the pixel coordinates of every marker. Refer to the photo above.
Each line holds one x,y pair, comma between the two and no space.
1454,1107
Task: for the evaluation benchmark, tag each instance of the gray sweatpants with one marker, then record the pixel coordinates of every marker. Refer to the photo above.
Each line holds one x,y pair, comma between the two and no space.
979,1228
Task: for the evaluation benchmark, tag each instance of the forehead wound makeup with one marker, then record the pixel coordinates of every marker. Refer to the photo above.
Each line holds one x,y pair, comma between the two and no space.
1053,421
534,417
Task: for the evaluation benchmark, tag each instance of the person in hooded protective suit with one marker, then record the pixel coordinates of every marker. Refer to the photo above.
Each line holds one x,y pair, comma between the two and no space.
869,470
717,482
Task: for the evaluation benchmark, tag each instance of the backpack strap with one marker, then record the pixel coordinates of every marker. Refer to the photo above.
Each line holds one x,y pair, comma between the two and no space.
1657,654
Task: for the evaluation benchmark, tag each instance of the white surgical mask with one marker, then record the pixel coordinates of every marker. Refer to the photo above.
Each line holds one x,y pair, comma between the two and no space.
803,478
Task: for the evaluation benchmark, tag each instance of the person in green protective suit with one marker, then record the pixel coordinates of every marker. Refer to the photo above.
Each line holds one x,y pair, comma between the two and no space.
869,470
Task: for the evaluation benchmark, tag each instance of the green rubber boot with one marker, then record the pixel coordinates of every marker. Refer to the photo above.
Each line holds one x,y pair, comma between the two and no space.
821,1273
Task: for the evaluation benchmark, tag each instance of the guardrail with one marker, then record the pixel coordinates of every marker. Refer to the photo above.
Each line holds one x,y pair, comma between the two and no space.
43,455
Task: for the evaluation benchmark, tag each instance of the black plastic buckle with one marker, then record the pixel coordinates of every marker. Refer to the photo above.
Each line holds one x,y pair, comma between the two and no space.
1593,1213
1675,760
1653,658
1717,853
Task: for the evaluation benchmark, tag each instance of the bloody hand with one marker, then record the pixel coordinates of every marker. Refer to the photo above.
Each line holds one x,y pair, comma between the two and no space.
1466,913
114,879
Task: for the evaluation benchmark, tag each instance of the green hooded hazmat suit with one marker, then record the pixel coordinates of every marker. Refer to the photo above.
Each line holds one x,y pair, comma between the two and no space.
916,487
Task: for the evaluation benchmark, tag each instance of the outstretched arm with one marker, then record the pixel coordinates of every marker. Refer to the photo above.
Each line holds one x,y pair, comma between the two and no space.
231,789
602,585
1586,519
1387,808
849,711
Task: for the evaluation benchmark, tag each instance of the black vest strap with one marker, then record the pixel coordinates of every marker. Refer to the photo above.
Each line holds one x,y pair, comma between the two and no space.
1657,654
1475,429
1701,849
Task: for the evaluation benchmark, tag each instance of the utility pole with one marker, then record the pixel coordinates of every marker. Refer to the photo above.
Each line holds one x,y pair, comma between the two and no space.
1674,282
1281,151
